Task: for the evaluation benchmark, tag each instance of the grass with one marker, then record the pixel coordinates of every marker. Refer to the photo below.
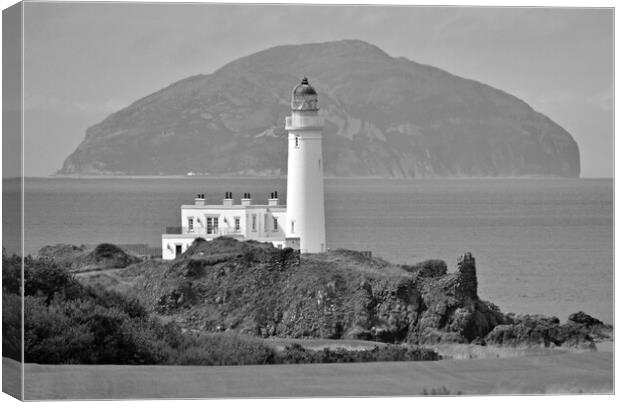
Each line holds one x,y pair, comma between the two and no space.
562,373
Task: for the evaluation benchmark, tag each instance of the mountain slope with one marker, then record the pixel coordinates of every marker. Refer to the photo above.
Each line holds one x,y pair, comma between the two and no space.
385,116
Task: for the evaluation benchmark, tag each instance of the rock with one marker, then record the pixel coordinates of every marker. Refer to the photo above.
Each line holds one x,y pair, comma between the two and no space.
594,327
583,318
385,116
541,331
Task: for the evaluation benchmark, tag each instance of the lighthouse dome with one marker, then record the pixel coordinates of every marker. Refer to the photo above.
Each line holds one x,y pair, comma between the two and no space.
304,97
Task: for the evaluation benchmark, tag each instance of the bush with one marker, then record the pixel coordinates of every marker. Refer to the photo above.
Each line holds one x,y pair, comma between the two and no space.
51,336
47,279
224,349
66,322
11,326
440,391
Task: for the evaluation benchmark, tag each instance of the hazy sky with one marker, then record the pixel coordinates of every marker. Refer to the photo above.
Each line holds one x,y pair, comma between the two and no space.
86,60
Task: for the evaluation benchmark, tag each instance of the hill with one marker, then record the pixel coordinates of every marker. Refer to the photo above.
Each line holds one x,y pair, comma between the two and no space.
385,116
80,258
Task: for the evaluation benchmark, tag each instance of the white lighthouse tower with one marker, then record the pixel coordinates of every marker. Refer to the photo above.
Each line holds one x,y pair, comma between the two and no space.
305,208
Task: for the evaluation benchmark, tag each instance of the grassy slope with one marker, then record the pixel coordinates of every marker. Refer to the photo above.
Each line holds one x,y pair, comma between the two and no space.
561,373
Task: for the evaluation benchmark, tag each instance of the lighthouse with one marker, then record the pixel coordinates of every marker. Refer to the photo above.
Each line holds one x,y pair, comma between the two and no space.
305,205
299,225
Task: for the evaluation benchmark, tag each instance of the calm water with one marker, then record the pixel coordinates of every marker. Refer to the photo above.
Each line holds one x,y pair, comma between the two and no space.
541,246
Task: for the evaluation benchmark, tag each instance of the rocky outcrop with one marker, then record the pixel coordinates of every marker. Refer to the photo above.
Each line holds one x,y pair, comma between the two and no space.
255,288
385,116
596,329
78,259
580,331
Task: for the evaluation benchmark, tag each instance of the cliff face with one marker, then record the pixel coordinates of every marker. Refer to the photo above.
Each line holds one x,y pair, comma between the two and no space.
385,116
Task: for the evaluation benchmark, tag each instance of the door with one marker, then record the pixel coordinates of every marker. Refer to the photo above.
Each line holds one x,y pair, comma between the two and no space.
212,225
178,250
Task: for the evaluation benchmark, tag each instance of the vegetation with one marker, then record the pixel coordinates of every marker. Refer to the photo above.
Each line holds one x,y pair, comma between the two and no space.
296,354
440,391
70,323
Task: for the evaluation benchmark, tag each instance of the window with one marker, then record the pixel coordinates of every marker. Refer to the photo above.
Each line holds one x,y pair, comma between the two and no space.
275,224
296,141
292,226
319,163
190,224
237,224
254,223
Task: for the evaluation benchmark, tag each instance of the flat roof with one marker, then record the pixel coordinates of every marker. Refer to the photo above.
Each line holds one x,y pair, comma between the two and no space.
237,206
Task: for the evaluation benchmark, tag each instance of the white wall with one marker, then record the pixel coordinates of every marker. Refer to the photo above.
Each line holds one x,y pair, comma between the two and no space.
305,195
226,224
226,219
168,246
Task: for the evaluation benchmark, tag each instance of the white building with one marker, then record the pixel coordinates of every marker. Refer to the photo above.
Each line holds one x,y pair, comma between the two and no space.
300,224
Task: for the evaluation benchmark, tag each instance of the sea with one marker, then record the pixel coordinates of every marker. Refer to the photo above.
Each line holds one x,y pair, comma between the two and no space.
541,245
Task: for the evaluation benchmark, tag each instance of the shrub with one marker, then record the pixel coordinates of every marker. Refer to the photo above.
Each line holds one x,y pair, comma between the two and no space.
224,349
46,278
51,336
440,391
11,326
296,354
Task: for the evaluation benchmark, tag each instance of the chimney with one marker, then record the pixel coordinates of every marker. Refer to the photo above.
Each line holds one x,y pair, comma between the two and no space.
228,199
199,200
247,199
273,199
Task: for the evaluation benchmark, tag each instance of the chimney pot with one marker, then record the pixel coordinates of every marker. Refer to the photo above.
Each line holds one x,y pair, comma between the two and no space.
228,200
247,199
